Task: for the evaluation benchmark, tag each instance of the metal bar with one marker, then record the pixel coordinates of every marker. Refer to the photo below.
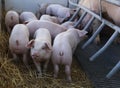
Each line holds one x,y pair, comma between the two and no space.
89,23
94,35
78,1
97,16
114,27
115,2
81,18
3,15
114,70
105,46
84,8
100,6
75,14
67,3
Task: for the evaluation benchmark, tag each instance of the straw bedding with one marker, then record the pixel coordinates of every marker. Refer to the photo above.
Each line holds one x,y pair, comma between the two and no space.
15,75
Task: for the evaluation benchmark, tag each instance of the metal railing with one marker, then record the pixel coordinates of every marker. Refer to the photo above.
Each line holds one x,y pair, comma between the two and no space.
115,2
103,23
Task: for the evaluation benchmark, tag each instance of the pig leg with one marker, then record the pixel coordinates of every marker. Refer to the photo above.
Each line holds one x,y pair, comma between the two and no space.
117,40
95,25
25,61
68,71
45,66
8,29
97,40
56,70
37,64
15,57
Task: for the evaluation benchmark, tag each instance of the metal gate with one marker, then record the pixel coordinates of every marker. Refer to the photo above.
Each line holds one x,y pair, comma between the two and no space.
103,23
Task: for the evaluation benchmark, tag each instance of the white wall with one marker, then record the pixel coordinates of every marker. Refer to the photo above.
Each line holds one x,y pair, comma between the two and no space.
29,5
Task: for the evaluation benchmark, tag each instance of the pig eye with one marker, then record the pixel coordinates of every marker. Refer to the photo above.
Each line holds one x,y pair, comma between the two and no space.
33,46
43,47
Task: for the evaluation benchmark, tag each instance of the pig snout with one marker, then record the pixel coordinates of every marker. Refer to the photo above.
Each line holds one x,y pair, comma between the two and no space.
35,55
61,53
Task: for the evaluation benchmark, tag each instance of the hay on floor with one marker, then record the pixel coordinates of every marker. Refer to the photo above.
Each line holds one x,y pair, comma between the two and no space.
14,75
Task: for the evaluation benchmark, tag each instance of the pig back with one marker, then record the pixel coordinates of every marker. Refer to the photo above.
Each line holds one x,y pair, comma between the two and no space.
11,18
43,34
19,38
27,17
69,38
53,28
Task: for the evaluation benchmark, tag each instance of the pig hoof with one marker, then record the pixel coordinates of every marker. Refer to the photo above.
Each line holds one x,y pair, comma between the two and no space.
27,67
55,76
69,80
15,60
39,75
117,41
44,71
97,42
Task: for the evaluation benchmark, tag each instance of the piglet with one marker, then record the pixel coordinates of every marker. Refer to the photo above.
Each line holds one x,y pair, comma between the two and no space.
68,24
17,42
42,9
59,11
26,17
64,46
41,49
11,19
51,19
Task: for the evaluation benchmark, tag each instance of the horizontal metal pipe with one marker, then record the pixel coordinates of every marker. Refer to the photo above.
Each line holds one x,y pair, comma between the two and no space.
114,70
115,2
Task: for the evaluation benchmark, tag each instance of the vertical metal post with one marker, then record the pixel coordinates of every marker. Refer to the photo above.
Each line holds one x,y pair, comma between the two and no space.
68,4
0,16
100,6
77,1
3,15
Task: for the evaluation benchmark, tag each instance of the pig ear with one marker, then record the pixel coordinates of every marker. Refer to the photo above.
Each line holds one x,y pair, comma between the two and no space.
82,33
48,46
68,14
25,22
30,43
72,11
61,20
